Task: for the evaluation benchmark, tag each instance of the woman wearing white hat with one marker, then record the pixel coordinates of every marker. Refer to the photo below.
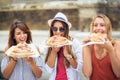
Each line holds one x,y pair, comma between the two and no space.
63,62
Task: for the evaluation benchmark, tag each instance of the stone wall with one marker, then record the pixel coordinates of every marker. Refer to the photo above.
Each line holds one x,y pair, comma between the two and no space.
37,19
79,15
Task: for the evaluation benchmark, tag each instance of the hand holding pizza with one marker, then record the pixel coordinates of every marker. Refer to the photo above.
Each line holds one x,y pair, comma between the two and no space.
65,50
22,50
57,41
98,37
95,38
29,60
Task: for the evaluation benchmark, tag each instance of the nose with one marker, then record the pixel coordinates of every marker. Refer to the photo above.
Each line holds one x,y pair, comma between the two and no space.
97,27
58,30
22,35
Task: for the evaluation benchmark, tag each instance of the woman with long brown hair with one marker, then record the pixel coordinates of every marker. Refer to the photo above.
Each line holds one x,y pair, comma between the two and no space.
63,62
15,68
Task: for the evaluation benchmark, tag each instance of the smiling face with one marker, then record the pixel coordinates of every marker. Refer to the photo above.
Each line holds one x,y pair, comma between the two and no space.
19,32
99,26
20,36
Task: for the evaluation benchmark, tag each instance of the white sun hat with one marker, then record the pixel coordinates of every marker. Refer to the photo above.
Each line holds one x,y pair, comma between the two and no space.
61,17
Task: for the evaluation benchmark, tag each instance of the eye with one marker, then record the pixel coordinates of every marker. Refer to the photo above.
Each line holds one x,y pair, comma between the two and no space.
95,25
24,32
17,33
54,28
62,29
102,25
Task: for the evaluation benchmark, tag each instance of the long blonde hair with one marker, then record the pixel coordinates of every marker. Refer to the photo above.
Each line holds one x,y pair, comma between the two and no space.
66,62
107,23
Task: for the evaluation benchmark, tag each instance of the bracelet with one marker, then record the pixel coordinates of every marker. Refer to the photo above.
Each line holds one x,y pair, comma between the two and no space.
69,57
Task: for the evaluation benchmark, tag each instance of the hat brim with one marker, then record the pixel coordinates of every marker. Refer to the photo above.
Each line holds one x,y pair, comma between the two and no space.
51,20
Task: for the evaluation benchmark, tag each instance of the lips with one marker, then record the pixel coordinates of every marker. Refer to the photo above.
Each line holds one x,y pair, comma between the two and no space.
22,40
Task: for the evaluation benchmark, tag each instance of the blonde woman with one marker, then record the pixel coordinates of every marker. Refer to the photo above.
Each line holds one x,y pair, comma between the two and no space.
101,61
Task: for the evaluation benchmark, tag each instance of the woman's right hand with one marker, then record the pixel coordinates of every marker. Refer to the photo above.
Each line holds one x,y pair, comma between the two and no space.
22,44
86,40
55,49
14,59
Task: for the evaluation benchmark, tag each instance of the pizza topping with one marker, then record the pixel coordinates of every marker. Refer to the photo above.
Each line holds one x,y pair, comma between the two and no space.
57,41
98,37
22,48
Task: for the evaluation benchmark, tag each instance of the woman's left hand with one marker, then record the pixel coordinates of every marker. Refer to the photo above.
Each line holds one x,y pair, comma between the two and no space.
108,45
65,50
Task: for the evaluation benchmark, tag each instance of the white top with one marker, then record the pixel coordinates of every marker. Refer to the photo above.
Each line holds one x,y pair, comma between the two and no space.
22,70
72,73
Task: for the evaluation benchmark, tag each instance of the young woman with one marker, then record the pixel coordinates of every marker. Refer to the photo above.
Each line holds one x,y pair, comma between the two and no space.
28,68
63,62
101,61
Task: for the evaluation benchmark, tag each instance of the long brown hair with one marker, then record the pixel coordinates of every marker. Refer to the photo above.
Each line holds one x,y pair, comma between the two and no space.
21,25
66,34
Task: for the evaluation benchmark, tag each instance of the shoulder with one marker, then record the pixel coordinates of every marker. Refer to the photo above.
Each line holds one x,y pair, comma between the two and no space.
6,48
76,43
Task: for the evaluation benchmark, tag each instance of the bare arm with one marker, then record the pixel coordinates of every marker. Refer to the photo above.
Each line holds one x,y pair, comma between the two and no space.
114,53
36,70
72,61
52,57
87,63
9,69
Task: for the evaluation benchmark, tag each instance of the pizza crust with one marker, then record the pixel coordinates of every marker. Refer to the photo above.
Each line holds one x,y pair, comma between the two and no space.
22,54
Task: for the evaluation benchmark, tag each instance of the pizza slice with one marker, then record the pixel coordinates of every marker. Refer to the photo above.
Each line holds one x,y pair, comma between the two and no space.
22,51
55,41
98,37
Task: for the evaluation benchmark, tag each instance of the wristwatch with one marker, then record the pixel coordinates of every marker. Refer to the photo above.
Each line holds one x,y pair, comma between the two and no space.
69,57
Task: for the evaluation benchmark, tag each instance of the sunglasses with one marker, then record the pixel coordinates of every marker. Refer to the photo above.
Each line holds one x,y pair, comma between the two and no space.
56,29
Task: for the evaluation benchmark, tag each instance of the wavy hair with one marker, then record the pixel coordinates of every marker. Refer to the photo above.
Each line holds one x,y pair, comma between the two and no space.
66,34
21,25
107,23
